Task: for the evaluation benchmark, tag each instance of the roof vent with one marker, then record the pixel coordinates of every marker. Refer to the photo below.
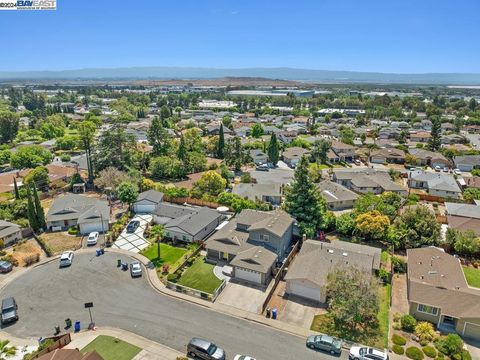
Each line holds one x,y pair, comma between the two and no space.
432,272
345,254
330,251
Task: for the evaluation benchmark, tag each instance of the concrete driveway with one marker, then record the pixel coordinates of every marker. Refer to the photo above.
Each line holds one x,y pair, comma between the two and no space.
47,295
243,297
300,312
134,242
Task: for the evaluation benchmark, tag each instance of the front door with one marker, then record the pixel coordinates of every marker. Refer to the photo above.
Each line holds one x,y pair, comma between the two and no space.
225,256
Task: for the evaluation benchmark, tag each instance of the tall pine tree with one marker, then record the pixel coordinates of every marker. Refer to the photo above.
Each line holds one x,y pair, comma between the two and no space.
182,151
39,210
273,150
32,215
221,143
15,187
435,140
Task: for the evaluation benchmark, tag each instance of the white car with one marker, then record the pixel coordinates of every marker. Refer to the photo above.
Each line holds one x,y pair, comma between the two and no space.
92,238
135,269
366,353
457,172
66,259
438,168
243,357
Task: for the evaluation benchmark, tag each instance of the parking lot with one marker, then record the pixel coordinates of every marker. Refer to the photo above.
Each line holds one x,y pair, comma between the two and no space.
135,241
47,295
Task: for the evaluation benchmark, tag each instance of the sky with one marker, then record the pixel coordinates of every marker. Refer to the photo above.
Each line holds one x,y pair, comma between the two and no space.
401,36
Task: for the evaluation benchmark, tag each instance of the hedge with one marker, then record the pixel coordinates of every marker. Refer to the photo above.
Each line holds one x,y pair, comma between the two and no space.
397,349
414,353
48,250
430,351
398,340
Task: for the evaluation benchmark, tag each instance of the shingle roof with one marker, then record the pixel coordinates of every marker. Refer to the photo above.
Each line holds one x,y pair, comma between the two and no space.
253,191
8,228
83,208
294,152
473,160
151,195
436,181
333,192
194,222
256,258
464,210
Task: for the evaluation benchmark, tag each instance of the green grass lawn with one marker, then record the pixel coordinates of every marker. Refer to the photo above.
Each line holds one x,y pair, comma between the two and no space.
472,275
110,348
377,337
200,276
168,254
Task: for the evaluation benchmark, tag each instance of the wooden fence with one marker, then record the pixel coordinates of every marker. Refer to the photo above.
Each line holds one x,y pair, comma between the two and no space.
59,342
192,201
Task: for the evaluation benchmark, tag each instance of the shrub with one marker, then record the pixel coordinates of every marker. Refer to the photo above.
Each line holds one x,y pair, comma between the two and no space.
172,277
440,356
449,345
43,244
425,332
414,353
408,323
384,275
65,158
31,259
399,265
73,230
397,349
182,358
430,351
398,340
12,260
2,244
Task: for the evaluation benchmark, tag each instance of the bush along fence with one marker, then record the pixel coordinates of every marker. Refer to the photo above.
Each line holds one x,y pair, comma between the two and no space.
196,293
45,247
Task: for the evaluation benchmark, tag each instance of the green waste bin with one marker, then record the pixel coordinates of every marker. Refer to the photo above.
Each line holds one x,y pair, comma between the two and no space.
119,262
68,323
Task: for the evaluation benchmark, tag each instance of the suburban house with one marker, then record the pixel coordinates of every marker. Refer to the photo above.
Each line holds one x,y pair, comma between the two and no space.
467,162
88,213
438,292
258,156
147,201
69,354
291,156
271,193
343,152
307,275
391,155
9,232
367,180
186,223
425,157
437,184
420,136
463,217
287,137
338,197
272,176
214,129
252,242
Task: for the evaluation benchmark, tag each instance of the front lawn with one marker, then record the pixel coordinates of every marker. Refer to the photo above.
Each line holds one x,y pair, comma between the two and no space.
169,255
200,276
374,337
110,348
472,275
60,241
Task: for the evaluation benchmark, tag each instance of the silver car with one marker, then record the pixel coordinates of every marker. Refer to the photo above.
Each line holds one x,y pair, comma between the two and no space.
135,269
66,259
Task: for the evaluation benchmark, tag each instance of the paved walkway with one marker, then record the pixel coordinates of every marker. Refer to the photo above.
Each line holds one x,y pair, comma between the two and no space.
151,350
134,242
221,272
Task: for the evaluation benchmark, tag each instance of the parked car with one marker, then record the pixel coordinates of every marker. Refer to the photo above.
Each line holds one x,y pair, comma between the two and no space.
92,238
325,343
66,259
262,168
446,169
438,168
203,349
457,172
243,357
132,226
367,353
5,266
9,310
357,162
135,269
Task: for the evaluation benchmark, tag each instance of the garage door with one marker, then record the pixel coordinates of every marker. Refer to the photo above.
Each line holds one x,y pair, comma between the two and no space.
304,291
90,227
248,275
472,331
144,209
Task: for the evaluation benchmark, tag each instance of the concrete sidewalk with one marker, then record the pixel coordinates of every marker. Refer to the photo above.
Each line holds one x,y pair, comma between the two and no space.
151,350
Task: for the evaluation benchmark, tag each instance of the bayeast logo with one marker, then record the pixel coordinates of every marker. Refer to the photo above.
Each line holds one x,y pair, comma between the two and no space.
36,4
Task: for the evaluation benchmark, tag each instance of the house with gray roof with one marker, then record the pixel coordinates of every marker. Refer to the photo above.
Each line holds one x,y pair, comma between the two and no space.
257,238
426,157
9,232
367,180
437,184
467,162
439,293
147,201
258,156
337,196
463,217
391,155
186,223
88,213
271,193
307,275
292,155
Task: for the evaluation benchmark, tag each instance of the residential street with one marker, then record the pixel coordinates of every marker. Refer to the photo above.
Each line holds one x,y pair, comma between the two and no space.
48,295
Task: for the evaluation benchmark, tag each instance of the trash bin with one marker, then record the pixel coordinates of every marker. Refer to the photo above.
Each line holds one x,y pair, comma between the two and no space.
68,323
102,251
77,326
268,312
99,252
124,266
119,263
274,313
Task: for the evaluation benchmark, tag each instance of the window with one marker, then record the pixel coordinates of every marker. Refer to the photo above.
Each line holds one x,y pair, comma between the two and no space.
264,237
427,309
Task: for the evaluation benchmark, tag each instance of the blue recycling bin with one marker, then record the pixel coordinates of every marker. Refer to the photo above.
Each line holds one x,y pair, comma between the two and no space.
99,252
77,326
274,313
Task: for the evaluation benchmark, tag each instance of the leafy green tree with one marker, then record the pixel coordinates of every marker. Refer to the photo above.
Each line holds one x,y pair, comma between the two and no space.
8,126
347,135
436,133
471,194
178,110
38,177
210,183
164,113
463,242
5,350
227,121
127,193
345,224
31,213
304,202
166,167
221,143
416,226
50,131
39,212
158,233
67,142
158,137
372,225
182,152
195,162
353,299
5,156
235,154
388,204
257,130
273,149
30,156
320,150
86,132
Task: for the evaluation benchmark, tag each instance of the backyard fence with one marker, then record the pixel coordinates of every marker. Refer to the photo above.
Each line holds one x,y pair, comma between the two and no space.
192,201
280,274
187,258
59,342
194,292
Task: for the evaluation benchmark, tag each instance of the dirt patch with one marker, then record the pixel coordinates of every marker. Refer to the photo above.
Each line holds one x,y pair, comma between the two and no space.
61,241
27,252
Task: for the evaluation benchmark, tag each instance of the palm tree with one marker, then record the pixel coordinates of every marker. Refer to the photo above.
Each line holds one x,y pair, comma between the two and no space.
157,232
6,351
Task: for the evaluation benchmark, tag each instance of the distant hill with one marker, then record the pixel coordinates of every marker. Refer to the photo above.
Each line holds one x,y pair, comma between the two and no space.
163,72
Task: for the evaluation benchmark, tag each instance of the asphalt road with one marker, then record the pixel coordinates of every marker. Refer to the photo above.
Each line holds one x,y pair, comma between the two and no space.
47,295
